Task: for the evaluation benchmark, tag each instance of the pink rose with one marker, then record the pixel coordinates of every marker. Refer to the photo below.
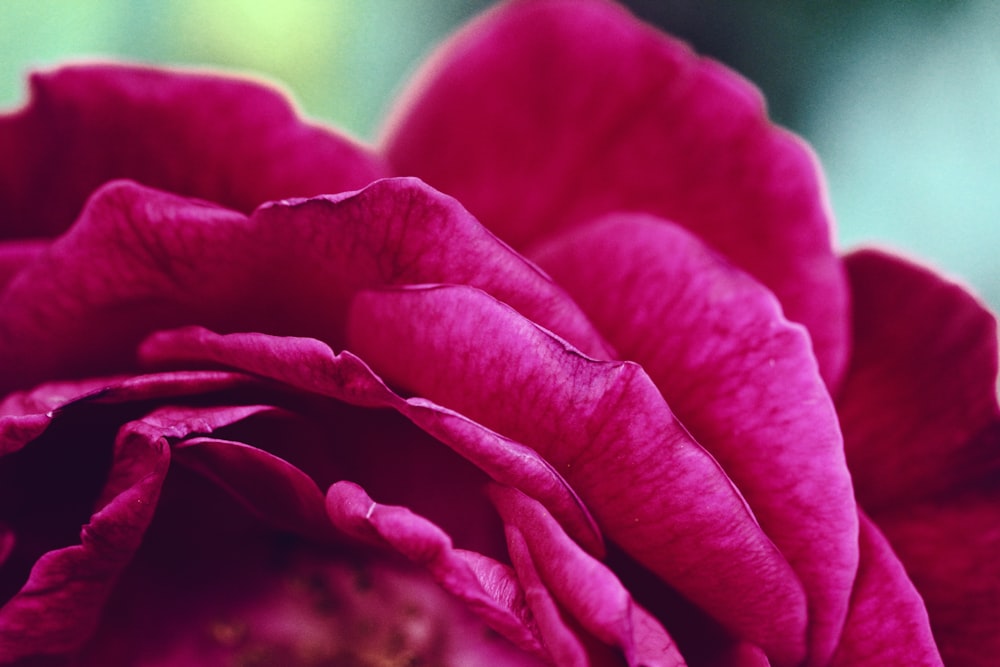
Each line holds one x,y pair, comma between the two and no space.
263,385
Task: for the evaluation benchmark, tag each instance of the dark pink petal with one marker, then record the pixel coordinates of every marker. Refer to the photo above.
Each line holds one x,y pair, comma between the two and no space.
542,115
59,606
483,586
921,386
311,366
235,142
15,255
140,260
950,548
603,425
25,415
739,376
887,624
580,584
271,488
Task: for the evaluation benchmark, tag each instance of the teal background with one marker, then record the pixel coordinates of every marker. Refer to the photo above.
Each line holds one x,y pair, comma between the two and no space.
901,100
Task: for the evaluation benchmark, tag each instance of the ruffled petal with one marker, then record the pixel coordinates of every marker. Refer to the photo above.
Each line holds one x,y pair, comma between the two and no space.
580,584
607,429
311,366
921,385
15,255
140,260
541,115
235,142
887,624
739,376
488,588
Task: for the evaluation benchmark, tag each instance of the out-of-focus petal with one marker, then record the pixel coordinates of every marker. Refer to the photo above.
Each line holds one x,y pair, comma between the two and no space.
606,428
739,376
312,366
887,623
541,115
486,587
950,549
140,259
921,385
235,142
15,255
582,585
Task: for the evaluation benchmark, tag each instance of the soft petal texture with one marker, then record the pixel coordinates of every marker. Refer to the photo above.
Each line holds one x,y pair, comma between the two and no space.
582,585
741,379
235,142
921,386
273,489
541,115
607,429
922,430
887,624
311,366
15,255
140,259
493,594
950,549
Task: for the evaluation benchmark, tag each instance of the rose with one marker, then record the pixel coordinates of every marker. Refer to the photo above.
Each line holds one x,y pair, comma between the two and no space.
224,475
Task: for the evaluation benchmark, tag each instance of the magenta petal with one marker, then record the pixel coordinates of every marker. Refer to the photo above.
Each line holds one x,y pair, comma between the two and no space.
140,260
542,115
740,377
887,624
582,585
605,426
271,488
916,397
311,366
480,583
232,141
58,608
15,255
950,550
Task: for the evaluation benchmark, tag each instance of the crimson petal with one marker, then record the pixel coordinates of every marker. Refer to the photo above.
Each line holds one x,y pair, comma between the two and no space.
235,142
541,115
139,260
739,376
311,366
607,429
583,586
887,624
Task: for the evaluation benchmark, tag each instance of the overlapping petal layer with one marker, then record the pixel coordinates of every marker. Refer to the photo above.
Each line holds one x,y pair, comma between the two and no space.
608,431
55,608
235,142
922,430
542,115
140,260
741,379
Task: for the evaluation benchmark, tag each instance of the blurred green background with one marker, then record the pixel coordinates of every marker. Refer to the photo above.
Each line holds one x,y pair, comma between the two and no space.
901,100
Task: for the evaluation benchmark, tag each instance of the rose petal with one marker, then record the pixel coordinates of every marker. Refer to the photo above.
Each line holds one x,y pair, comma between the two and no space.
232,141
311,366
271,488
950,550
582,585
140,259
606,427
921,386
15,255
739,376
59,606
541,115
501,606
887,624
